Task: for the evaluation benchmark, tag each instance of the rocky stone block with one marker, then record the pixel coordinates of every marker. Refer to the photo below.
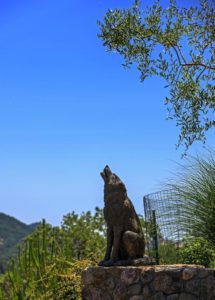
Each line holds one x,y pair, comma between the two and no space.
174,282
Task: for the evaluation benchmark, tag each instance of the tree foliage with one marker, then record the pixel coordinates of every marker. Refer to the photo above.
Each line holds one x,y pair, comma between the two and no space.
176,44
84,235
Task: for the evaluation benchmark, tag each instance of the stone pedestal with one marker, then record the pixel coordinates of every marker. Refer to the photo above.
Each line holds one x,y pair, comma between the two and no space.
167,282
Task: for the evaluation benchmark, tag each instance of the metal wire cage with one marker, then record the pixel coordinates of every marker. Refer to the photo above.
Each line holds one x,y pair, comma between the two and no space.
162,220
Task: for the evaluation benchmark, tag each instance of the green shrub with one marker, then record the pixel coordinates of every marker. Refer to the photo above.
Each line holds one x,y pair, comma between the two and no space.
69,285
196,251
168,253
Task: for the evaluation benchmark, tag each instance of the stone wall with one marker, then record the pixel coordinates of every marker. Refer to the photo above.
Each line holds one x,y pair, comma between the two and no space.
173,282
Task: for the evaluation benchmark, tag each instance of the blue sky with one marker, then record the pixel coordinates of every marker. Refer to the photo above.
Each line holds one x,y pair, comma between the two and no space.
68,108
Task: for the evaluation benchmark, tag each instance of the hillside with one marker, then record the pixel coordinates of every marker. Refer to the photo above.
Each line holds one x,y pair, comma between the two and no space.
12,231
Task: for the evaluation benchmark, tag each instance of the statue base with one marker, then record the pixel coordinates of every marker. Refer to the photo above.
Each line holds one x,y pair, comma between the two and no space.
144,261
166,282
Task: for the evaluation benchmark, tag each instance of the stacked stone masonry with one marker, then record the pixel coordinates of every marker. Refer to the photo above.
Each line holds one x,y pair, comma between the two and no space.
173,282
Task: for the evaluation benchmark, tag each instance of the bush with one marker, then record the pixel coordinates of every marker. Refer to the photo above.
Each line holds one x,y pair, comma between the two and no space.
196,251
69,285
168,253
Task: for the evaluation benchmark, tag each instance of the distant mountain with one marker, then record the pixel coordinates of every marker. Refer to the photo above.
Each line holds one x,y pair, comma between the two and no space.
12,231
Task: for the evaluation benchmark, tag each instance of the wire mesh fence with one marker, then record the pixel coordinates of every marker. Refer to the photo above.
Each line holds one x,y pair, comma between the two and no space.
162,218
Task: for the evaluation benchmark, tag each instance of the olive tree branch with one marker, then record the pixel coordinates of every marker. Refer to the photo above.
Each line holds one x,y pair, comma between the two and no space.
179,50
197,64
180,55
200,74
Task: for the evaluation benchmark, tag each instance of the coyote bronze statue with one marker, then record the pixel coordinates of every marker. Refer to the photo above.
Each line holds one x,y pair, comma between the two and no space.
125,240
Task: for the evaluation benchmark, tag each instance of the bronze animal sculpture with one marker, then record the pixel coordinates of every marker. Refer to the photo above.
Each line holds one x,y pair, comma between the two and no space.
125,240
